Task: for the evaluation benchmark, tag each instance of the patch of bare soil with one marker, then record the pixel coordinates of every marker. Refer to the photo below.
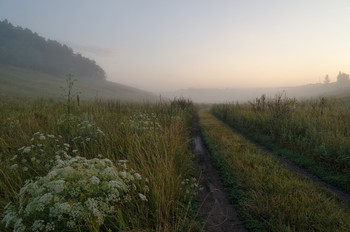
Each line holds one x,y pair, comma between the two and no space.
215,209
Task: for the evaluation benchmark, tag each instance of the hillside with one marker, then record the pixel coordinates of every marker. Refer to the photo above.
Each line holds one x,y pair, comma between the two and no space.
20,47
16,81
32,66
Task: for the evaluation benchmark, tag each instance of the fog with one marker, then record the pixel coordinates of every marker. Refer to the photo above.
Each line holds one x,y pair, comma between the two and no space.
171,45
208,51
242,95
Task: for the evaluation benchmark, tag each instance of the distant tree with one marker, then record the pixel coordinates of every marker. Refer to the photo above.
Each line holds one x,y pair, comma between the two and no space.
343,78
326,79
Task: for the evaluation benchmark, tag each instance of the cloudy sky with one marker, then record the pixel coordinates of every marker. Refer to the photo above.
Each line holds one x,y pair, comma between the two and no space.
161,45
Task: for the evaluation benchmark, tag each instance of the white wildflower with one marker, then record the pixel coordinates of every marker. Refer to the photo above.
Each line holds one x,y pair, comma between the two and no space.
115,184
94,180
137,176
52,174
50,226
38,225
14,166
110,172
143,197
123,174
64,207
56,185
100,131
42,137
19,227
75,192
27,149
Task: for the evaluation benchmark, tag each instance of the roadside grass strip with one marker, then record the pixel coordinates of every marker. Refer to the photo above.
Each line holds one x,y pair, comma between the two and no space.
268,195
314,134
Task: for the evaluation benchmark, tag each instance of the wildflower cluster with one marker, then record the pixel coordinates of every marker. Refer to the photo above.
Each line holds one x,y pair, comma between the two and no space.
87,132
40,153
76,193
143,121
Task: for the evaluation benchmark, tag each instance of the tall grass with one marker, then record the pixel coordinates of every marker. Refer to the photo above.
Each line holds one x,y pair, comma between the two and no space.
154,138
313,133
269,196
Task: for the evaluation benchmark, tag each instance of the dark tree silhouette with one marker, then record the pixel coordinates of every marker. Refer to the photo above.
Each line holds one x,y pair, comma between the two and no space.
343,78
21,47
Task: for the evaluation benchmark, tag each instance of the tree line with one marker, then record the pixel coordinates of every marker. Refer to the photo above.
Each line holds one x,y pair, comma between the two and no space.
342,78
23,48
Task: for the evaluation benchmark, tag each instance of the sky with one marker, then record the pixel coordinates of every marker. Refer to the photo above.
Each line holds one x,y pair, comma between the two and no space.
163,45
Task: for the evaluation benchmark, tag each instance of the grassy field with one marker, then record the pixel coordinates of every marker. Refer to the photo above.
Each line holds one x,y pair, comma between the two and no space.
96,166
269,196
314,134
28,83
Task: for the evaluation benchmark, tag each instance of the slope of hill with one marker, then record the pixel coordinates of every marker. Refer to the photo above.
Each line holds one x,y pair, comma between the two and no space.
32,66
20,47
16,81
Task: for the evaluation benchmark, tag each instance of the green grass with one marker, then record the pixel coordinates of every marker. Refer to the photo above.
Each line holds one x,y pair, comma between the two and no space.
154,138
27,83
313,134
269,196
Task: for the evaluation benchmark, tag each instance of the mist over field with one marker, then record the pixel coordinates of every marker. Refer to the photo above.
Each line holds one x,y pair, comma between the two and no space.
170,48
212,95
174,116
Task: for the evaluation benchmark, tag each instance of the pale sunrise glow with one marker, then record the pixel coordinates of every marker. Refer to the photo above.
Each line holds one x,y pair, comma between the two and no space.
169,45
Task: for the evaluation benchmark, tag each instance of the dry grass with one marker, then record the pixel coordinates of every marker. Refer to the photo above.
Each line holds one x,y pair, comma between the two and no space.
154,138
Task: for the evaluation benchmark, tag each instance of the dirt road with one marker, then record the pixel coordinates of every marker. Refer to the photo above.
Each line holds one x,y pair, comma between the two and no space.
215,209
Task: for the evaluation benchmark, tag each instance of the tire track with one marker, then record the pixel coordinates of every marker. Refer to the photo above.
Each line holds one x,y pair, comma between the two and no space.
343,196
218,213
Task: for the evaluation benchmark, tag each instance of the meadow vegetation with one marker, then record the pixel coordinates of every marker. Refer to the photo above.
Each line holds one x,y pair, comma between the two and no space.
314,134
95,166
268,195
